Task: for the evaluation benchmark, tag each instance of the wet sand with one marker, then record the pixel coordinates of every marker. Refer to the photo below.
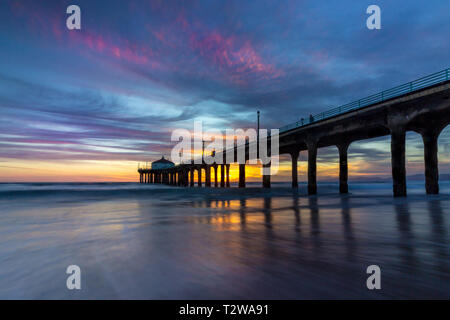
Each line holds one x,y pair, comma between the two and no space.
159,242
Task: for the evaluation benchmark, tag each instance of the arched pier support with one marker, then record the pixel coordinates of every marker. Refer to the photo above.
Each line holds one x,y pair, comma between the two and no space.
241,175
312,167
398,137
216,182
343,166
266,177
222,176
207,176
430,143
294,170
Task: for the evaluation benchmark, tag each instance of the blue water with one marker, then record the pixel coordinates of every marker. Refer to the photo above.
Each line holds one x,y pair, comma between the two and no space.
160,242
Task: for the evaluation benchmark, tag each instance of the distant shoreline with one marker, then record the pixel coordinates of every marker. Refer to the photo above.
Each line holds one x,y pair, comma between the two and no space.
414,178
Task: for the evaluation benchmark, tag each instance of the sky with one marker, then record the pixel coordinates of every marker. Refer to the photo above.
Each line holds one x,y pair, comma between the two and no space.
90,104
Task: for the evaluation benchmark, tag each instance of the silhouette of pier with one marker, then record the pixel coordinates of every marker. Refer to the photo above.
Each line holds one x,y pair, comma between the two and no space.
422,106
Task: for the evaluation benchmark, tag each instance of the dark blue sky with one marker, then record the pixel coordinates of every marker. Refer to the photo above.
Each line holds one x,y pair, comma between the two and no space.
114,90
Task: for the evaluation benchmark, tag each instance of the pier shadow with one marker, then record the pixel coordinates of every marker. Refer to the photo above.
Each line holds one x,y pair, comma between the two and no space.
296,209
406,236
347,227
439,236
267,211
314,223
242,215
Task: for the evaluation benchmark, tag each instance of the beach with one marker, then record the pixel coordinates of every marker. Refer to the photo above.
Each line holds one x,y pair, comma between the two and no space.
137,241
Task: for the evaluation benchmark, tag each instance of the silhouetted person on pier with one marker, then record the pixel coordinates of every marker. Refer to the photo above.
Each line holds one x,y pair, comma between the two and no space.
302,120
311,118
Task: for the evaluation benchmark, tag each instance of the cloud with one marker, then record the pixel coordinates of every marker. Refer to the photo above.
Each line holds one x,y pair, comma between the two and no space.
139,69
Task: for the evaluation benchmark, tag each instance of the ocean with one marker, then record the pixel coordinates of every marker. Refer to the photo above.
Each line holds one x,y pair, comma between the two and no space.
134,241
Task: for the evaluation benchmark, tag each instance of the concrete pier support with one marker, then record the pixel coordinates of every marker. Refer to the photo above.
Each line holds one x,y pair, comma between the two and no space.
207,176
266,177
343,167
241,175
294,159
222,176
140,178
199,182
430,143
398,135
216,182
312,167
227,166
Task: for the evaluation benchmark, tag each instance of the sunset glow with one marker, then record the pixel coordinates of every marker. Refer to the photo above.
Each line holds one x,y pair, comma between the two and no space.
102,99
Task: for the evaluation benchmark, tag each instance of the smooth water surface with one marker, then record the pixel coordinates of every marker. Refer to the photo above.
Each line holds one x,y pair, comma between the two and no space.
160,242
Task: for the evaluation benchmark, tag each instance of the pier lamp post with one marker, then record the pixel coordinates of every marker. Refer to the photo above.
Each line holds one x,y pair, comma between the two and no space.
257,138
203,149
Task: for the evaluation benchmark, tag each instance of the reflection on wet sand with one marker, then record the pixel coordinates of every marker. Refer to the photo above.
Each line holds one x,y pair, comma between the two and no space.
296,209
406,236
272,228
350,241
236,245
438,235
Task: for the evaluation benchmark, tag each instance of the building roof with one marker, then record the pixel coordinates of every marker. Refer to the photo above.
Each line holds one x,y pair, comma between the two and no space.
162,160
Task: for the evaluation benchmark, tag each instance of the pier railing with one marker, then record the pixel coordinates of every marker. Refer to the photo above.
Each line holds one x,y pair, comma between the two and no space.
421,83
424,82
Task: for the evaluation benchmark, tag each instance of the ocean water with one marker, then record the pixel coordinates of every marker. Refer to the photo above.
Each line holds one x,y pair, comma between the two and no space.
135,241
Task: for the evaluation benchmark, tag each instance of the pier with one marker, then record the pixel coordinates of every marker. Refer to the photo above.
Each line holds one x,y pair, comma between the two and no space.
422,106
